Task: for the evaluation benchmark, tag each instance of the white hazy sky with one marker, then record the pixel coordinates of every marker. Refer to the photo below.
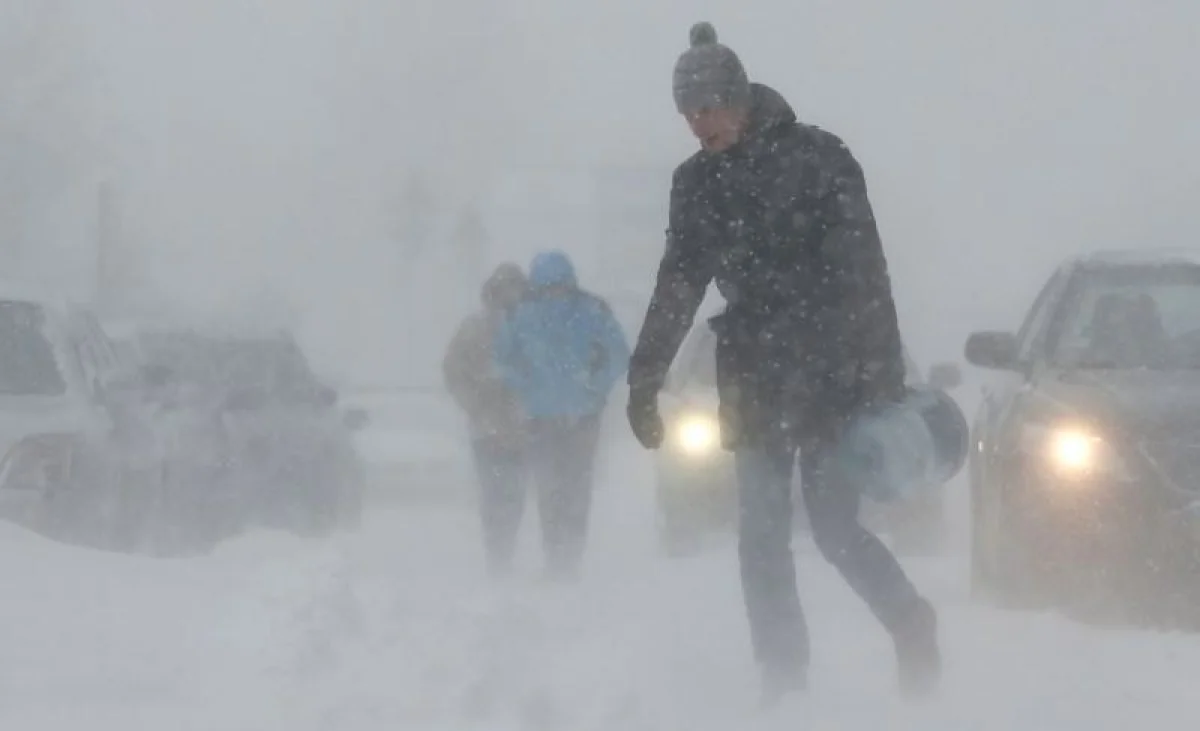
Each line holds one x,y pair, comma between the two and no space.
258,139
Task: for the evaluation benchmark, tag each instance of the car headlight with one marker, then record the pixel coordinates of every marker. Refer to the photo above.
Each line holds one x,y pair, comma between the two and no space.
696,434
1072,451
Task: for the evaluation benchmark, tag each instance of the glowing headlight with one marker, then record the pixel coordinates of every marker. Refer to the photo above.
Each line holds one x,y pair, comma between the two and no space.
1073,452
696,434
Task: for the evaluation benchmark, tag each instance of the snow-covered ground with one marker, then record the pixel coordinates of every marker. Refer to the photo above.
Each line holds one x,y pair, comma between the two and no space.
396,628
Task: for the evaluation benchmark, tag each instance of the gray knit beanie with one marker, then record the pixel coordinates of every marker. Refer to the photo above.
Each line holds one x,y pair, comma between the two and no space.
709,75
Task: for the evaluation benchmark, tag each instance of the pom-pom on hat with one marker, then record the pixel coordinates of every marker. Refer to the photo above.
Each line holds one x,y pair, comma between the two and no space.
709,75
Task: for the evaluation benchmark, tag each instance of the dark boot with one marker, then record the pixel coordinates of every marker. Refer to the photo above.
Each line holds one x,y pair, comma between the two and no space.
918,657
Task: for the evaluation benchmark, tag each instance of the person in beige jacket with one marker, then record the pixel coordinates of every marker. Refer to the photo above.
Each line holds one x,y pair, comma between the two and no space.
495,419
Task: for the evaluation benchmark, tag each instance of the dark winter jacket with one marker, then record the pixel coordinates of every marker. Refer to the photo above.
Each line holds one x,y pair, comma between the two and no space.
468,367
782,223
562,350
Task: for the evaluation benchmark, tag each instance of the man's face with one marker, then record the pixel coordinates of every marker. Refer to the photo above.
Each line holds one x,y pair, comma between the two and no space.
717,129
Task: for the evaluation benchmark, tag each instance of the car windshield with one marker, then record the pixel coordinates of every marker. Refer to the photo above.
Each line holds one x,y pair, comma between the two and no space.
28,366
1145,317
273,366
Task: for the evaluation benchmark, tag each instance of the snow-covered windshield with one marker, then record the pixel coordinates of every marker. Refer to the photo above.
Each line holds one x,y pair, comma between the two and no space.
272,366
1130,318
28,366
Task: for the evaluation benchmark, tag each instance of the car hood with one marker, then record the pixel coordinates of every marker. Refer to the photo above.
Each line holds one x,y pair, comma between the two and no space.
1141,399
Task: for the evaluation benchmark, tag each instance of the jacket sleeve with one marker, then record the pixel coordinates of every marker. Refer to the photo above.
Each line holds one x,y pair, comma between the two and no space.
612,341
506,355
456,367
683,276
854,252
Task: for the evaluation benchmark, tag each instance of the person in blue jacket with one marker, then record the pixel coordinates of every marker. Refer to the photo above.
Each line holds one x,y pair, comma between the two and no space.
561,351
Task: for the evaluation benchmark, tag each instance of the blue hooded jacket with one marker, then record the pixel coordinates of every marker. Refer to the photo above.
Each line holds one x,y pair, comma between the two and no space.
561,350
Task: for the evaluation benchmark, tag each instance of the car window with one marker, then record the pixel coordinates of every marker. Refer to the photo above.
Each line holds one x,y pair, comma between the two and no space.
275,366
1132,317
28,363
1031,338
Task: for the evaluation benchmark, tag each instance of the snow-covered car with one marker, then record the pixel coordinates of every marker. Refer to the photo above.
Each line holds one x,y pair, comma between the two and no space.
283,446
78,465
415,445
1084,476
695,478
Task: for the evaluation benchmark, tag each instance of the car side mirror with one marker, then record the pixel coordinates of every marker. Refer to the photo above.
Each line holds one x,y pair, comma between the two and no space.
994,350
356,419
945,376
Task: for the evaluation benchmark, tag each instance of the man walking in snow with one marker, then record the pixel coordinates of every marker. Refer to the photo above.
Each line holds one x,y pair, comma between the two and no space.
561,352
776,212
496,422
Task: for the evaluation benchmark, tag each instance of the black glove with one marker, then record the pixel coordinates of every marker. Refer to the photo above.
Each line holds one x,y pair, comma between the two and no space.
644,418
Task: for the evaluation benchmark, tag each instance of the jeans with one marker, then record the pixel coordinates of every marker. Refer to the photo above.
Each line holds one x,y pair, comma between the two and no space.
562,455
777,626
501,467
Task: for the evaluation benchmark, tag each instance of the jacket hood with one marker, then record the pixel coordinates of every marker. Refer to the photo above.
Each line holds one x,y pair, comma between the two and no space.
504,288
552,268
768,109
